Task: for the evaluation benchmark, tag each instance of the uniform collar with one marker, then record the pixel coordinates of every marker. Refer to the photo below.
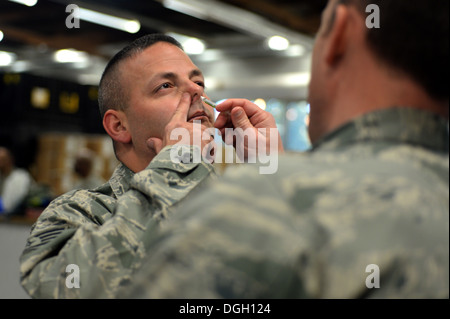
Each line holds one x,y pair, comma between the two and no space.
120,180
404,125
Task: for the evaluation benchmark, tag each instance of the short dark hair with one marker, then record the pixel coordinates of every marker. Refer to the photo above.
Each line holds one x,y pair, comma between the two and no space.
414,38
111,94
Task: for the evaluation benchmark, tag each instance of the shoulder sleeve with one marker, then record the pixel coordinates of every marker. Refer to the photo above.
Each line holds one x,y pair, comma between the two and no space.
103,249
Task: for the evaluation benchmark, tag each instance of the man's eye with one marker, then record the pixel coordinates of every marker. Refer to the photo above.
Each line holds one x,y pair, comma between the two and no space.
200,83
165,86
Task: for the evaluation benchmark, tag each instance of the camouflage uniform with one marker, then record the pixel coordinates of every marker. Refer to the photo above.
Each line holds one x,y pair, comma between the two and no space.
103,231
365,214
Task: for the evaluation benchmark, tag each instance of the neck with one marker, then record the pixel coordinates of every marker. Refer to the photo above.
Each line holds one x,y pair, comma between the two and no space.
374,87
131,160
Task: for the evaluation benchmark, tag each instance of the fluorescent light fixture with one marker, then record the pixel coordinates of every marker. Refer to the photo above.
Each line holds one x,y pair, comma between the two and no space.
186,8
70,56
278,43
6,58
131,26
1,35
28,3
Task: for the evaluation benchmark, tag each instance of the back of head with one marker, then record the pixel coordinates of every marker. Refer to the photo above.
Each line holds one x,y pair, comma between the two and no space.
414,38
111,93
83,163
6,160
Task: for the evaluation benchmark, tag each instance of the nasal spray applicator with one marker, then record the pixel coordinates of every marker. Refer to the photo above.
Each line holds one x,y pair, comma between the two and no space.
210,103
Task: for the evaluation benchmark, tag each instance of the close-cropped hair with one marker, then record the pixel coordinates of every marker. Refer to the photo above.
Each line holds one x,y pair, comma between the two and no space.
413,37
111,93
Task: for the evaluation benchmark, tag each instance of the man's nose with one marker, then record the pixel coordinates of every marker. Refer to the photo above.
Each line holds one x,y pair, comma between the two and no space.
195,90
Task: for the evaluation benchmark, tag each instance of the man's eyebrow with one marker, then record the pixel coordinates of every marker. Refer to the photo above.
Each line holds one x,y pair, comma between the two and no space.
172,75
164,75
196,72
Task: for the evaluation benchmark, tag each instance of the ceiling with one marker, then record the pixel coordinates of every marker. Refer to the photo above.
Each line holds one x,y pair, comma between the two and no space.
235,27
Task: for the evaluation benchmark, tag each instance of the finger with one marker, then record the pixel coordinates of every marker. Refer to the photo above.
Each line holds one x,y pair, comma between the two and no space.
155,144
249,107
240,119
182,110
223,120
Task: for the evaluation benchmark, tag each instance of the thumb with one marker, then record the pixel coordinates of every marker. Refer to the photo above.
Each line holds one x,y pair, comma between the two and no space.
155,144
240,119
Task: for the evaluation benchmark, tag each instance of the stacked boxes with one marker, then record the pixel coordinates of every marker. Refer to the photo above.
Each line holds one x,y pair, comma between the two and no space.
56,156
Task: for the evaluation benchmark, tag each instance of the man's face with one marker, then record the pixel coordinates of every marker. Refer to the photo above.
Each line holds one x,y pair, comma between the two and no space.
155,80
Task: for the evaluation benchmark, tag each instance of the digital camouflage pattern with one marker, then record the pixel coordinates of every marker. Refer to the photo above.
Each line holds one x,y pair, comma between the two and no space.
103,231
374,193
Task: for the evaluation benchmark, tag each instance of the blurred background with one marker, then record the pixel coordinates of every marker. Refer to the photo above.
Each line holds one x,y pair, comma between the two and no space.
52,58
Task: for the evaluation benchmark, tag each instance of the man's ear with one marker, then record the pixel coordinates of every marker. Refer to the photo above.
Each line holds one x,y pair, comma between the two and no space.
338,36
116,126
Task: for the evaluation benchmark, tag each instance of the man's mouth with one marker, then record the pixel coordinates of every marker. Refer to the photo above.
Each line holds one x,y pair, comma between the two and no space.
198,116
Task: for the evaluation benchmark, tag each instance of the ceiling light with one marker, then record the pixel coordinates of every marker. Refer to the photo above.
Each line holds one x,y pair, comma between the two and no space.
131,26
278,43
28,3
1,35
70,56
186,8
193,46
6,58
235,18
190,45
